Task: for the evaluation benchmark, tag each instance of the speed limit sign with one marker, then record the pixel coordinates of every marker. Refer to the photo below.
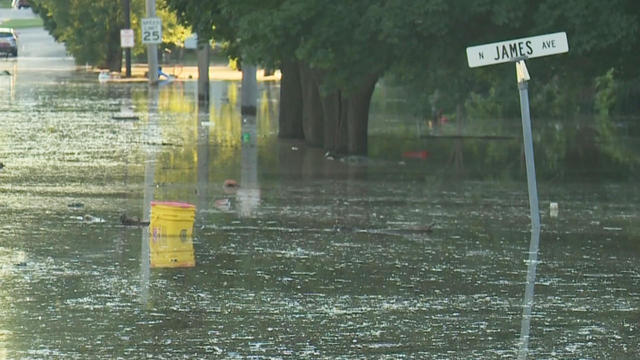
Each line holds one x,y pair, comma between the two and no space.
151,30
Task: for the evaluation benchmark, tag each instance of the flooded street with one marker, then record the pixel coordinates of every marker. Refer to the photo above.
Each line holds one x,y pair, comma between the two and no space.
418,251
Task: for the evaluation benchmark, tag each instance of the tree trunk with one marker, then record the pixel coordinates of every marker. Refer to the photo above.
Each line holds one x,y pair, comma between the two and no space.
290,117
358,115
334,108
312,117
114,60
114,52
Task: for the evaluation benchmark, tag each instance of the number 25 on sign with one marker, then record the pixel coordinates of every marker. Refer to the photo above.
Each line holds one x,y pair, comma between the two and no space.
151,31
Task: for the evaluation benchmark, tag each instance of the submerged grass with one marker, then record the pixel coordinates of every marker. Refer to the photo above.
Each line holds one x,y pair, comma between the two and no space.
22,23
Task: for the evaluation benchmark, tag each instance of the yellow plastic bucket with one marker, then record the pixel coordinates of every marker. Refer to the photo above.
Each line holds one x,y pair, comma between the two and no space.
171,234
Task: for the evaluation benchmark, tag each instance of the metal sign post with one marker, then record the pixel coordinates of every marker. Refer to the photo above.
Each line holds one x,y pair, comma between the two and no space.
523,77
518,51
152,36
127,25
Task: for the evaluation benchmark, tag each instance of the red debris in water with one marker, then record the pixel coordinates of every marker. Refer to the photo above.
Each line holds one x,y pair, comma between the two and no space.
416,154
230,183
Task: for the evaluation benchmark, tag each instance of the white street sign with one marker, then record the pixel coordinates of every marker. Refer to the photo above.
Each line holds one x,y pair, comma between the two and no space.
126,38
506,51
191,42
151,30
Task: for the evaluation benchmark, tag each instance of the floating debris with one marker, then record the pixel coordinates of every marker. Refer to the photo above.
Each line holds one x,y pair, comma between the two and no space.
607,228
104,76
223,204
230,185
355,160
416,154
553,209
125,117
420,229
132,221
150,143
413,230
329,155
89,219
75,205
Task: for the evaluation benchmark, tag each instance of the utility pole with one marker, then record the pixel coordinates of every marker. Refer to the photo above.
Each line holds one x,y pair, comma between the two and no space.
152,49
249,90
127,25
203,70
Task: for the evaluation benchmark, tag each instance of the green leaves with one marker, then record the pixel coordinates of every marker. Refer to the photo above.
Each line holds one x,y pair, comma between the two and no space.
90,29
422,42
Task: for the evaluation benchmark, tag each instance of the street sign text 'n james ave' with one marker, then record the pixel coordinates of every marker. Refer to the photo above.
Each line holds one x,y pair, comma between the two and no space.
518,51
506,51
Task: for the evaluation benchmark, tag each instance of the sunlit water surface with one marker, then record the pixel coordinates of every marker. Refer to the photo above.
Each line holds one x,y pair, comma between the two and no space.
309,258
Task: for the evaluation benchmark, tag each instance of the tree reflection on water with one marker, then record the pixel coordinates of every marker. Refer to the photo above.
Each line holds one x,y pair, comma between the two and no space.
323,257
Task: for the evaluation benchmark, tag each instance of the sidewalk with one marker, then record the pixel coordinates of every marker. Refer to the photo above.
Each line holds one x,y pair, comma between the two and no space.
182,73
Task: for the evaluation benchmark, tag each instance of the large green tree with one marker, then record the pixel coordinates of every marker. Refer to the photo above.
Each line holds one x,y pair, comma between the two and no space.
90,29
330,56
602,36
333,53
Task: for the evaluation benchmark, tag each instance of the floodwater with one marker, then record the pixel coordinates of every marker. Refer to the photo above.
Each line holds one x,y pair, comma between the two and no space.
309,257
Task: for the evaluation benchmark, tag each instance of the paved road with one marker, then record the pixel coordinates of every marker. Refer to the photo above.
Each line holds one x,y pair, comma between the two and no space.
33,42
16,14
36,42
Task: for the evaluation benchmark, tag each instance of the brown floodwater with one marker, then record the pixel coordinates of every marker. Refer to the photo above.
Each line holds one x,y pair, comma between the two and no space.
417,251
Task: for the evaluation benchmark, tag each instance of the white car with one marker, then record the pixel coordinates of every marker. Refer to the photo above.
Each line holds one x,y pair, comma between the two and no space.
8,42
20,4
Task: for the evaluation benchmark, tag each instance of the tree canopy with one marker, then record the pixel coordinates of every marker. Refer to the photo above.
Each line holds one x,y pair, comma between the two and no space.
602,36
333,53
344,46
90,29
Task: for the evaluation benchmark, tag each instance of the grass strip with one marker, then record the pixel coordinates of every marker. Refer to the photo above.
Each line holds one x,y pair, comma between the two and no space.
22,23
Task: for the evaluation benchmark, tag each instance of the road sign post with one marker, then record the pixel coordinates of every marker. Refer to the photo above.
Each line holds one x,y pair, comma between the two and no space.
151,39
127,25
518,51
525,326
127,42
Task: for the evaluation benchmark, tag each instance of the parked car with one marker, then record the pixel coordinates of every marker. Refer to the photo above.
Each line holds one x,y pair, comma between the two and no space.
21,4
8,42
